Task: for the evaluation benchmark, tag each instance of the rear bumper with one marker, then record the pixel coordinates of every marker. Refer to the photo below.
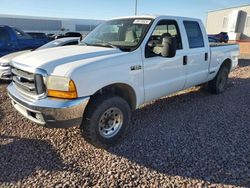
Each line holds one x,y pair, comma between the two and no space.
5,73
48,112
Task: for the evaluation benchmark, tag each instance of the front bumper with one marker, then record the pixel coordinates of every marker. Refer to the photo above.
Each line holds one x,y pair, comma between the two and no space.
49,112
5,73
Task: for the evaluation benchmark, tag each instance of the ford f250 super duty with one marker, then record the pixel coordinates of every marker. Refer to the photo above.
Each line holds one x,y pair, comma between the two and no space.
121,65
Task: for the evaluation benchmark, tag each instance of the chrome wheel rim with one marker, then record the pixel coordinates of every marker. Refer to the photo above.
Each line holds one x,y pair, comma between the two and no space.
110,122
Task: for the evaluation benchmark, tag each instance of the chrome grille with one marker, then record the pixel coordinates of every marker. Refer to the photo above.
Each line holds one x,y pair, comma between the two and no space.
20,73
26,82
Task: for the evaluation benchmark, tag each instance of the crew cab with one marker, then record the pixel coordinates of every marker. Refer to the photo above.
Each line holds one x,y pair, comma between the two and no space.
121,65
13,39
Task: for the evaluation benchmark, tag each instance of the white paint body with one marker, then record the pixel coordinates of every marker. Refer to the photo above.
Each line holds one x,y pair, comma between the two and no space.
92,68
4,64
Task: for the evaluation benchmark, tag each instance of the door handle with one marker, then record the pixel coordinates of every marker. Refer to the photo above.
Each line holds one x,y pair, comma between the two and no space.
185,59
206,56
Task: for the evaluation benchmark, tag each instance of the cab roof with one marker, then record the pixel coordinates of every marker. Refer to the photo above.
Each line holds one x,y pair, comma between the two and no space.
157,17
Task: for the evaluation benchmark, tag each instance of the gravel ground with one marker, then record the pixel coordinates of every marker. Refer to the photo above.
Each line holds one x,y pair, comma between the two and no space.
190,139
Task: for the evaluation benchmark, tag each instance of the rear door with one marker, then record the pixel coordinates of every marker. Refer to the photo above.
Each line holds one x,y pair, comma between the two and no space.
197,56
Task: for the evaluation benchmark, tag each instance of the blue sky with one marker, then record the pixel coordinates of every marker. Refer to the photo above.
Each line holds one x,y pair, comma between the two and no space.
105,9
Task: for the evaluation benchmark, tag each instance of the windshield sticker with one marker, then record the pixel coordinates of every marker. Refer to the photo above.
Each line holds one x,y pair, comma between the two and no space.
144,22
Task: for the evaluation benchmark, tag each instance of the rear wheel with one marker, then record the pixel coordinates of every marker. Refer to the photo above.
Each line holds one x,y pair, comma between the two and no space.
106,120
219,83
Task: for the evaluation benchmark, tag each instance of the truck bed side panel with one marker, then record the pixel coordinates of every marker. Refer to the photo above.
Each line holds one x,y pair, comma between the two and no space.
219,53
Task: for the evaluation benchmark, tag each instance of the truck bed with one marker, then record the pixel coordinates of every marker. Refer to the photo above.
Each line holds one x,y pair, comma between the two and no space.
221,51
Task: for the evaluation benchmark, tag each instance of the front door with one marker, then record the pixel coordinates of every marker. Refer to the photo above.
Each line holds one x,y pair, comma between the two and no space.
162,75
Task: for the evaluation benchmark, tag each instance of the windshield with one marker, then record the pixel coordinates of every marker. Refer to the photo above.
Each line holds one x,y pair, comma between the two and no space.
20,34
126,34
51,44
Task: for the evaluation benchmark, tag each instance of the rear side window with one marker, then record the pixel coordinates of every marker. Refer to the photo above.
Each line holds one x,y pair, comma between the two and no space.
194,34
4,35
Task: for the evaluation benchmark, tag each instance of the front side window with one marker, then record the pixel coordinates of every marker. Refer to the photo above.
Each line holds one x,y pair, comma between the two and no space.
194,34
126,34
163,28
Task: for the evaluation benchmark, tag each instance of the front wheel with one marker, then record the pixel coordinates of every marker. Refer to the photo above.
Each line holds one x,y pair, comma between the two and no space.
106,120
219,83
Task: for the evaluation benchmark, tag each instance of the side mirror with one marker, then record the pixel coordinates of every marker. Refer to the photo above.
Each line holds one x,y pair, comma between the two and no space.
80,38
169,46
152,44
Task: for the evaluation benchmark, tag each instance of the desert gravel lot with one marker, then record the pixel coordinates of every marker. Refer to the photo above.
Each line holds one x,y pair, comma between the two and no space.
190,139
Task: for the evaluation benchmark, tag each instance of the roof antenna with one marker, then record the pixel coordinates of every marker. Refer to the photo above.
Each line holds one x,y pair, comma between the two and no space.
135,7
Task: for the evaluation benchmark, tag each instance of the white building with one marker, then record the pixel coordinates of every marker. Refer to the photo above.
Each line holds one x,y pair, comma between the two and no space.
49,25
234,20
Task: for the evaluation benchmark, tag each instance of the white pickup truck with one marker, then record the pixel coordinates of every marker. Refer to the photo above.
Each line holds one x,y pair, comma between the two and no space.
118,67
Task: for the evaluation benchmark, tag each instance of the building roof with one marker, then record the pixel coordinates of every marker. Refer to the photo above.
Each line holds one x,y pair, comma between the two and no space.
43,18
245,5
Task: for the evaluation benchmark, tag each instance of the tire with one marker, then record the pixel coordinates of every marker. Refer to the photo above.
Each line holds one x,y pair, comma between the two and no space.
106,120
219,83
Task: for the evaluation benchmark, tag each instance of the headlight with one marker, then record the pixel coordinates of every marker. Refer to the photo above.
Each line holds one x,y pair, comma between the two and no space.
4,63
61,87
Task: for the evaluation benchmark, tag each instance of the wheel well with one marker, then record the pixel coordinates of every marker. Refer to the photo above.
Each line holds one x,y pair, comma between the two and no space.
122,90
227,63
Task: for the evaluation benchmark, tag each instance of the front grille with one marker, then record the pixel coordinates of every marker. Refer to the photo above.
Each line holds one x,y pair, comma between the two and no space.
30,83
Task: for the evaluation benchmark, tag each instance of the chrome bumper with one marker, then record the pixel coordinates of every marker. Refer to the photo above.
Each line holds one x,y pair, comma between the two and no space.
48,112
5,73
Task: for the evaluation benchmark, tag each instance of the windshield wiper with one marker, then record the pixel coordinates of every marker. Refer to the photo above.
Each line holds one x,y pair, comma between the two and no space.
104,45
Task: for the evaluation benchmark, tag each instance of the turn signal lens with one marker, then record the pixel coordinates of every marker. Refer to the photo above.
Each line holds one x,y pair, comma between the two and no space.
70,94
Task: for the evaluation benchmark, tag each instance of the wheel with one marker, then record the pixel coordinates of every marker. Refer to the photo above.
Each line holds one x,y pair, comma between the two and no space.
106,120
219,83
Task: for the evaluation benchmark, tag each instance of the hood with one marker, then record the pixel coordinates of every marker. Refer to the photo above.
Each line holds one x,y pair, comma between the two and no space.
50,59
8,58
